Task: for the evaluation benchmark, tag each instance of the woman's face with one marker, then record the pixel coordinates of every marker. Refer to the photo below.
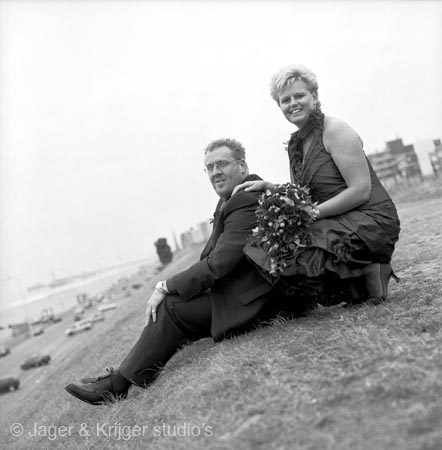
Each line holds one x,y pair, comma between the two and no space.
297,102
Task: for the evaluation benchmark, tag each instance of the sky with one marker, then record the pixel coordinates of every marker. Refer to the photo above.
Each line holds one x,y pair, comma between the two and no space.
106,107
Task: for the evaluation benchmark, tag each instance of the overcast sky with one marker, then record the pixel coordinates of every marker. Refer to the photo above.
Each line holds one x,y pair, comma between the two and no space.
106,108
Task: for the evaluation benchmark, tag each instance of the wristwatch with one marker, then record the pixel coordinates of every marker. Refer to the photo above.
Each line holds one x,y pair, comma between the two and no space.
161,287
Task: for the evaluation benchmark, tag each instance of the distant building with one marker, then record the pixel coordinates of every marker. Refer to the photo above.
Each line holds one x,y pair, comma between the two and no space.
406,158
436,157
200,233
186,239
425,150
37,287
20,329
175,241
205,230
396,162
385,165
56,282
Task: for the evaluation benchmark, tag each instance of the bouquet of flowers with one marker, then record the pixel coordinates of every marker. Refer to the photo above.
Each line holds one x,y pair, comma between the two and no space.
284,215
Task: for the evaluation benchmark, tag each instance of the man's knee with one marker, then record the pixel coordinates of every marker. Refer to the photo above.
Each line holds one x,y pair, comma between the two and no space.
192,316
171,303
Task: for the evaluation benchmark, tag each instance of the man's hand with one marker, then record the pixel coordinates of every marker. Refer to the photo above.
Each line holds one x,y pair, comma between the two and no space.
258,185
152,304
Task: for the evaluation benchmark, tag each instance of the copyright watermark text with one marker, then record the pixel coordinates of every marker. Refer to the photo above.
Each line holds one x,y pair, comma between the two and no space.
116,431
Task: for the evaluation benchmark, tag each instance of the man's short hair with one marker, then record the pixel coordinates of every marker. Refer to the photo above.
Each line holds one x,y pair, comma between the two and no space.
238,150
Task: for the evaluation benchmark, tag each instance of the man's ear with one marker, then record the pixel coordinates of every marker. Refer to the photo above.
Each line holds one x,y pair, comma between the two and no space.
243,166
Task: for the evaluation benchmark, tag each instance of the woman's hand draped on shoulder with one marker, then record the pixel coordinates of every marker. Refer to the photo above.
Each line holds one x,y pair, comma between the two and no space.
248,186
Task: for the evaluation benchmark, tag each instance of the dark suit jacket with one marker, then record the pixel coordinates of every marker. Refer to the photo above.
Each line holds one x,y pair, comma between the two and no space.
237,292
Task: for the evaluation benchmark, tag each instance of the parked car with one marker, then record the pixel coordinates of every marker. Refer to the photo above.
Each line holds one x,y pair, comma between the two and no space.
38,331
9,384
96,317
36,361
77,327
106,306
4,351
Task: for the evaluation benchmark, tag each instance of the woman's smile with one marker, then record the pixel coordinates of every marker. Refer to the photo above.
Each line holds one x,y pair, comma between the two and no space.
297,102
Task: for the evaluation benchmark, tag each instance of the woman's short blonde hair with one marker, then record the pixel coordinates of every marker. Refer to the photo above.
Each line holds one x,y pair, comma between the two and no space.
288,75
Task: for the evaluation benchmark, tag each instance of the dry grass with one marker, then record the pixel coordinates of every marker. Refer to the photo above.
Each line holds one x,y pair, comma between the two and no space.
359,378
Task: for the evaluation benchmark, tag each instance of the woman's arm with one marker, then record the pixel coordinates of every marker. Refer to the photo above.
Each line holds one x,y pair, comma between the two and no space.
345,147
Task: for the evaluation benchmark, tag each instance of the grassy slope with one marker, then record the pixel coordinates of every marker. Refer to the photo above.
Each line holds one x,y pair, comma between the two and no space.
361,378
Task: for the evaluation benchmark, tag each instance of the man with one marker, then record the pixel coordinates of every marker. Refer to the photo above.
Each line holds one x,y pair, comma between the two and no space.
218,296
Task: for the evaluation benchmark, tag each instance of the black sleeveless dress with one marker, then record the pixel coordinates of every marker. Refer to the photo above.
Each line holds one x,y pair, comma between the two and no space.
329,270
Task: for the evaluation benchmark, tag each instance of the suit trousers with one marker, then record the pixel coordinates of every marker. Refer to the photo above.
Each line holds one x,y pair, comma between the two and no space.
178,322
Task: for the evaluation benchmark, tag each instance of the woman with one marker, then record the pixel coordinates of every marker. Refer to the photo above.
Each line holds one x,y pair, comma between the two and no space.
357,226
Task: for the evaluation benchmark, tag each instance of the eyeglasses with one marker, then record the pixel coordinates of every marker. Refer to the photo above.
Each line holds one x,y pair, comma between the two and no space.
221,165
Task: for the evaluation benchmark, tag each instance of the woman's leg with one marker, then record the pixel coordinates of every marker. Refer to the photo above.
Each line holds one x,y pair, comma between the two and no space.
373,280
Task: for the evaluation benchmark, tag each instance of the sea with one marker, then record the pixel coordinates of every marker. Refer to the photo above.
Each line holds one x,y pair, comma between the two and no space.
63,298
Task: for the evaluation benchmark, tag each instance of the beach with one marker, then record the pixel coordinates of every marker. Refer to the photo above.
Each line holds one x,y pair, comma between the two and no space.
63,298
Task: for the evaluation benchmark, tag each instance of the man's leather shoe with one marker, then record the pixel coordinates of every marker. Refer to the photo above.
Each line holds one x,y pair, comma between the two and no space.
99,391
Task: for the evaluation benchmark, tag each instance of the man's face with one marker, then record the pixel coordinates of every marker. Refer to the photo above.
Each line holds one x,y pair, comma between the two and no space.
225,172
